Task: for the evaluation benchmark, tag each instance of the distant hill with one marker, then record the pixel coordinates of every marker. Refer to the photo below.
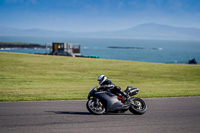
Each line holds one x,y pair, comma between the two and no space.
143,31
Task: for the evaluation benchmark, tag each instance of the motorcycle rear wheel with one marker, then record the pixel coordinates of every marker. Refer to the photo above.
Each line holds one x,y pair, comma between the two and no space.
95,108
139,107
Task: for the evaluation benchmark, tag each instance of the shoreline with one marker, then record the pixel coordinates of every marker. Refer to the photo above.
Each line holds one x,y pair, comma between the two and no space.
21,45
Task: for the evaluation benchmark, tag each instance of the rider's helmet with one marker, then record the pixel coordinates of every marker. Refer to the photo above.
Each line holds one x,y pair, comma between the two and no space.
101,79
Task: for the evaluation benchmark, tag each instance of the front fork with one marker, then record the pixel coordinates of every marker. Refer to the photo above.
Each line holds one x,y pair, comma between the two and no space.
96,101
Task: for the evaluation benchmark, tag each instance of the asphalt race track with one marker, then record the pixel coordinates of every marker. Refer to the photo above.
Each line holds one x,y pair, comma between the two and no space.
164,115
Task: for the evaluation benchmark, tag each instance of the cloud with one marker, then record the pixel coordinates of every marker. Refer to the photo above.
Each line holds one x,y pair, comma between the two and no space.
21,1
34,1
121,4
97,14
11,1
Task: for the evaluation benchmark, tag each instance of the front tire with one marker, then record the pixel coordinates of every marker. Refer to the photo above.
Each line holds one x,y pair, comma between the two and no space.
138,106
94,107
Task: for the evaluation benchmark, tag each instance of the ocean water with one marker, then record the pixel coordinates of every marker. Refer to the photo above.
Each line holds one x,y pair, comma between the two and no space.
157,51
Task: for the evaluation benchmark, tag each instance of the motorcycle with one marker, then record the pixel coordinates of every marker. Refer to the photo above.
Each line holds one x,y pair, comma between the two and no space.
103,102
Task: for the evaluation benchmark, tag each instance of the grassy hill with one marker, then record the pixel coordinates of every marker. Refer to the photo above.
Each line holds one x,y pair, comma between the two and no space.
27,77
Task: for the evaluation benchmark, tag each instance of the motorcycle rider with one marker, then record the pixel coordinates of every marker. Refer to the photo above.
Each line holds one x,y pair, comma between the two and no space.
107,84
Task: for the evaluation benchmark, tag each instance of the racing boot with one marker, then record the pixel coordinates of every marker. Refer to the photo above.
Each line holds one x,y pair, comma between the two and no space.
127,97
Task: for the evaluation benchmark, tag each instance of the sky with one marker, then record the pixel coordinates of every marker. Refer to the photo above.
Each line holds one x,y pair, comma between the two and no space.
97,15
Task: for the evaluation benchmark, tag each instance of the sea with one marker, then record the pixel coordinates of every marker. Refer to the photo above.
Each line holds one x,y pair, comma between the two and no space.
156,51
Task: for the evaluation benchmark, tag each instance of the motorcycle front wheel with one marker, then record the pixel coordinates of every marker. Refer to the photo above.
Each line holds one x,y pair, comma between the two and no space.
95,107
138,106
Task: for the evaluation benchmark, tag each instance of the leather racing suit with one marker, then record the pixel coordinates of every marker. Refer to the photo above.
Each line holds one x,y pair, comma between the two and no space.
113,88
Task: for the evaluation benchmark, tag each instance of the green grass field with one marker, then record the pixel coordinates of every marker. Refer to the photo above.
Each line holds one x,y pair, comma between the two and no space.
28,77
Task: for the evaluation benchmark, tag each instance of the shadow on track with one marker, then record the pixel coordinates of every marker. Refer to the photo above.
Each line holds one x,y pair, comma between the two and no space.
82,113
69,112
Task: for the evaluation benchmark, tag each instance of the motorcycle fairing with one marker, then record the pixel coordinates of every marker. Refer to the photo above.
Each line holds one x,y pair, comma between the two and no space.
109,100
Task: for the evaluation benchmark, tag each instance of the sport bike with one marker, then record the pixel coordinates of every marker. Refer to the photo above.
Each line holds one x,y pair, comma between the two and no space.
103,101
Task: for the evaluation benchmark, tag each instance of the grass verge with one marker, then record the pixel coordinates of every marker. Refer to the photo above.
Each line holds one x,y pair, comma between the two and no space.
27,77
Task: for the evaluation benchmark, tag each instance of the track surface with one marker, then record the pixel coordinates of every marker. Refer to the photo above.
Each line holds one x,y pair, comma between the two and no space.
166,115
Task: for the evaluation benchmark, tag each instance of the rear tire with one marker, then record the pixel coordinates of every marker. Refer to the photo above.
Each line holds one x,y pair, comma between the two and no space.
95,108
139,107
